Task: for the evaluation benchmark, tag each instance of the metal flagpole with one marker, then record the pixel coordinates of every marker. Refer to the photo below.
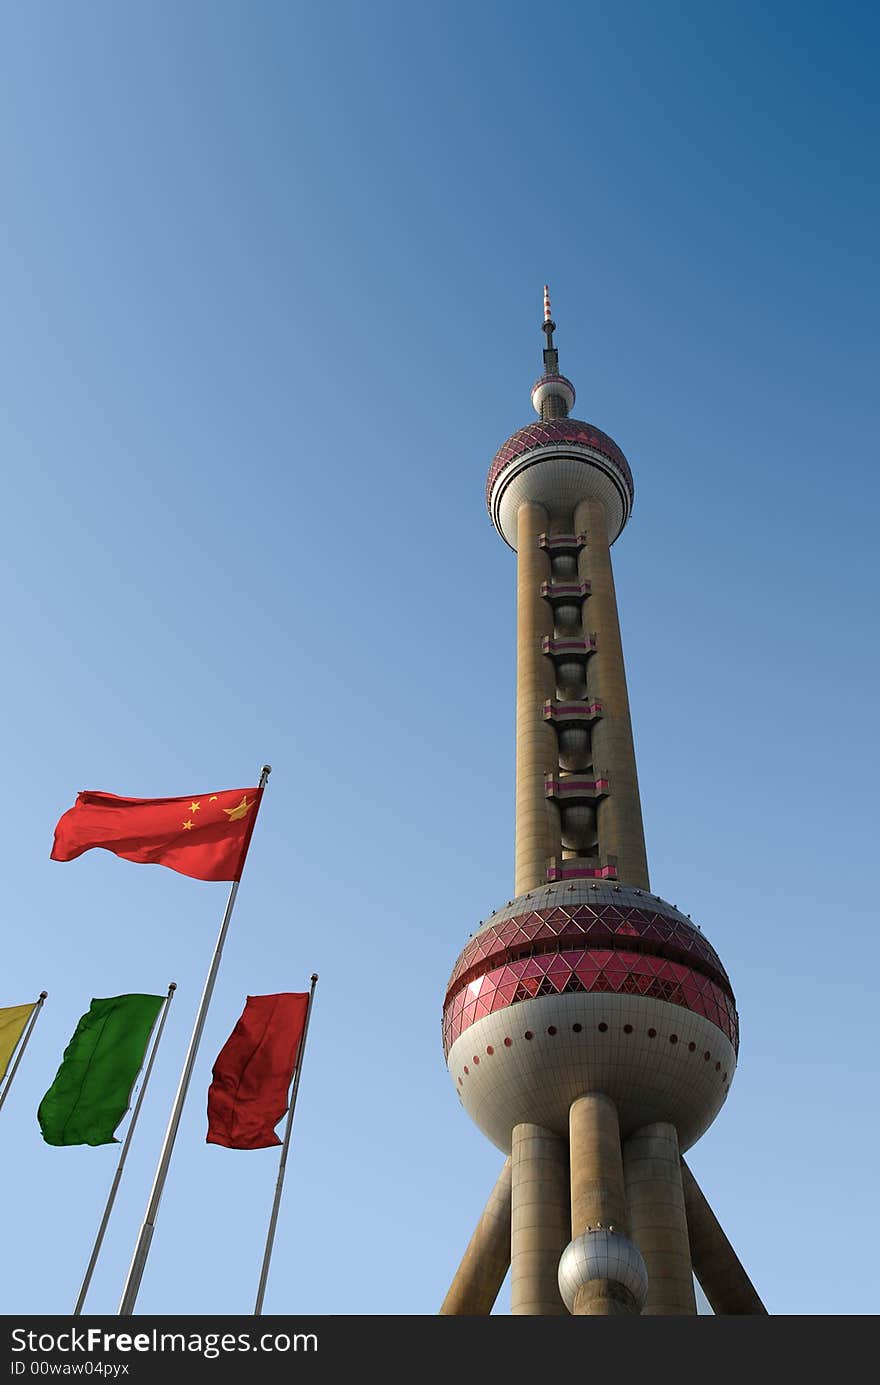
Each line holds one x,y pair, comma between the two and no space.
96,1249
24,1043
282,1165
142,1248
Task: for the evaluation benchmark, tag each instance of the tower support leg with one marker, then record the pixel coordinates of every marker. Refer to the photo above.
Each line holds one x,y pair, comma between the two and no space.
602,1272
716,1264
657,1221
538,1220
484,1264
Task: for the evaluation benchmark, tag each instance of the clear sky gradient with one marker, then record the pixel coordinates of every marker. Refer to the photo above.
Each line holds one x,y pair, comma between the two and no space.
271,284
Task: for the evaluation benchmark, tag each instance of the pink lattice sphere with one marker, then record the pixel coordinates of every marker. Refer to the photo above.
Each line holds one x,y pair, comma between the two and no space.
558,462
590,987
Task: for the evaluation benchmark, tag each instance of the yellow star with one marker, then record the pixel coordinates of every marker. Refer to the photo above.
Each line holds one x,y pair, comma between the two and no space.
234,814
187,826
194,807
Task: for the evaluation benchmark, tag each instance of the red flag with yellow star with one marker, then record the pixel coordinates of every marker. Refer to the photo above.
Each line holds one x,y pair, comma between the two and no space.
205,836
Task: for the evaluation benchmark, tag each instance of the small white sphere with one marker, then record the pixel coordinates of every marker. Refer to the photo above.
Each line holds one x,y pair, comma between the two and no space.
550,385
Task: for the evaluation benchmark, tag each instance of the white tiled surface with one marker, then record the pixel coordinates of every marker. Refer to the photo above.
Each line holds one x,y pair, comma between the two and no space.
558,477
537,1080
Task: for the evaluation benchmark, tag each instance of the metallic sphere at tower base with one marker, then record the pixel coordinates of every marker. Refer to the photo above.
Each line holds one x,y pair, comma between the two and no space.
602,1255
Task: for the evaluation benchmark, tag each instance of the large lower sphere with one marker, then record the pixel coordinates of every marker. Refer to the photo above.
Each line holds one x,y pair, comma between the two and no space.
582,987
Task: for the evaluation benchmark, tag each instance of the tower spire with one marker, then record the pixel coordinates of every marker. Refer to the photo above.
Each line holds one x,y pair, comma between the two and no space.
552,395
549,324
551,355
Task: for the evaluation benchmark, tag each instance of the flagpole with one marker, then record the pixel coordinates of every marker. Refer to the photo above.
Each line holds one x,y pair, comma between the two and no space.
24,1043
142,1248
282,1164
96,1249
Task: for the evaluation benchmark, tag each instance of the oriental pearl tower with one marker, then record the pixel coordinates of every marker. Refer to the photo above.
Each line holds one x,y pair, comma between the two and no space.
589,1027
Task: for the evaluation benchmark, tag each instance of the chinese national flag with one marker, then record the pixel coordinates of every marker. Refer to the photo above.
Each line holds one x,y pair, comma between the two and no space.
248,1095
205,836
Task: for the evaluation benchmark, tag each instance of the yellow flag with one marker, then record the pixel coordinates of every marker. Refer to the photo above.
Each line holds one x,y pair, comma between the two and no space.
12,1021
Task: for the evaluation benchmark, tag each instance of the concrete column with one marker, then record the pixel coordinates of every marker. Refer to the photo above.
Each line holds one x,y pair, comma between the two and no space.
619,816
537,827
597,1186
716,1264
657,1222
597,1195
484,1264
538,1220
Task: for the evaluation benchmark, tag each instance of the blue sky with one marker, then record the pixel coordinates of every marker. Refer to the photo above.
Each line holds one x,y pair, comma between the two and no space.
272,293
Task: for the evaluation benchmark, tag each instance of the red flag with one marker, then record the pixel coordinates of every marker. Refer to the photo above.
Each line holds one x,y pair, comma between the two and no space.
252,1073
205,836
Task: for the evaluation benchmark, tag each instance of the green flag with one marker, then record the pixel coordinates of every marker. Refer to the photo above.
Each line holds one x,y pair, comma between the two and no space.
92,1088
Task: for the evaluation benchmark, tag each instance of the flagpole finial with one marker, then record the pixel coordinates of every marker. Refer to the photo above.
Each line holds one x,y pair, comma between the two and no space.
172,986
313,978
43,996
265,769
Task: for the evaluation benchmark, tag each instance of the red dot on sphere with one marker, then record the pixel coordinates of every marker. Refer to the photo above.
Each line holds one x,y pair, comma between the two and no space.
652,1033
466,1070
576,1028
673,1038
627,1029
717,1067
528,1034
691,1046
706,1056
490,1050
551,1029
476,1060
507,1043
603,1027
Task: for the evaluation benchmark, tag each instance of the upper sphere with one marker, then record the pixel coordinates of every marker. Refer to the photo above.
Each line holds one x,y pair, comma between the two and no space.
557,463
